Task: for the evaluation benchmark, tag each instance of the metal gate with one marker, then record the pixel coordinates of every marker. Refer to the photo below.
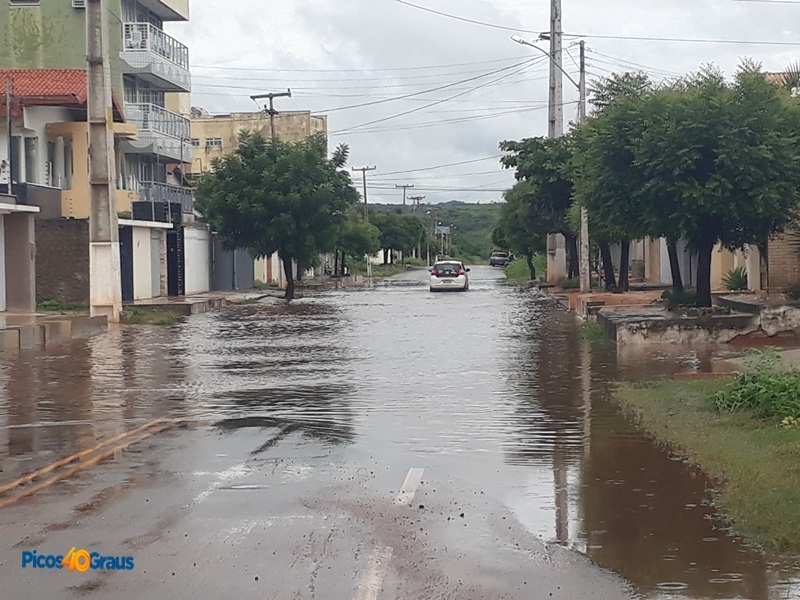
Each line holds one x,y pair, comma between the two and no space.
176,264
126,262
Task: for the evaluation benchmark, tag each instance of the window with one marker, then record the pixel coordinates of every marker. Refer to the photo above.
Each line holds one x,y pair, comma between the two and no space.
78,3
214,143
23,2
196,142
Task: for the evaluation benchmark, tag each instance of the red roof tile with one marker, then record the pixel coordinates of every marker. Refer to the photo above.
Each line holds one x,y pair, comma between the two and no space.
45,87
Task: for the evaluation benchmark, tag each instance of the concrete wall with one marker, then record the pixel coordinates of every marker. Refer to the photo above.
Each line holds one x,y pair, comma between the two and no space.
52,35
2,263
20,262
142,264
62,261
784,263
197,248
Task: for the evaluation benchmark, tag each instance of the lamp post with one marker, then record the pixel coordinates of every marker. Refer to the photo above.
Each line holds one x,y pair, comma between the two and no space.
586,285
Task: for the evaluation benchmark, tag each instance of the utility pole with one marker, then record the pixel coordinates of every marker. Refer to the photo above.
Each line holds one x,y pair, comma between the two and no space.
105,293
415,200
555,112
405,187
586,282
364,177
271,110
8,132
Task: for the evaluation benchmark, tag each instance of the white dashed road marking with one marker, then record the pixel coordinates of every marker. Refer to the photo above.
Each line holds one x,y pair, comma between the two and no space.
370,584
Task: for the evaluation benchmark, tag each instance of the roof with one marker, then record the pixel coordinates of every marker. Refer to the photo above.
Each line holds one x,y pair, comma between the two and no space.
47,87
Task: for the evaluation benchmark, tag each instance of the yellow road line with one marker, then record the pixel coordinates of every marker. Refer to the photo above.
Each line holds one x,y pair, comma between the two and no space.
78,455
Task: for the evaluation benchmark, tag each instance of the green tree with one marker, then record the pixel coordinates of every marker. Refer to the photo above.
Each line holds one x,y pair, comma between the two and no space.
544,163
519,228
275,196
397,232
357,237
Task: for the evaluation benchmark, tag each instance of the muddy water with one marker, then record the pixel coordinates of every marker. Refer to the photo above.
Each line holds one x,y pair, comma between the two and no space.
491,387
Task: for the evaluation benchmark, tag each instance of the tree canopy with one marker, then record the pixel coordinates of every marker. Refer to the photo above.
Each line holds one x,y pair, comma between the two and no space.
273,196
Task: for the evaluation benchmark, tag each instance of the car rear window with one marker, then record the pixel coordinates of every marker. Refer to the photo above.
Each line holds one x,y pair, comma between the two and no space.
447,266
503,254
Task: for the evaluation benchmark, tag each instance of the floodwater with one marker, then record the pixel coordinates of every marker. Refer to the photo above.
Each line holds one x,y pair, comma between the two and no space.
492,390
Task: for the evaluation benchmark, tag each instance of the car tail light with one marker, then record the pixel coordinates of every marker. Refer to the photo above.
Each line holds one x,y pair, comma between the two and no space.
434,273
461,271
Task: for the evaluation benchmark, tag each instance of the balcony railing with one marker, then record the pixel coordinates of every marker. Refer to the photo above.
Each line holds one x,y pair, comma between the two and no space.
151,191
152,118
148,49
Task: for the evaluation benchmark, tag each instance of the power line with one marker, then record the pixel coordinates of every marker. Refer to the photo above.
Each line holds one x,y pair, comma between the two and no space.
618,37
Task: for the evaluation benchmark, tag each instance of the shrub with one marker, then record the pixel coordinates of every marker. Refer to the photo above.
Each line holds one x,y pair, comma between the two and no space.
762,392
673,300
735,279
569,284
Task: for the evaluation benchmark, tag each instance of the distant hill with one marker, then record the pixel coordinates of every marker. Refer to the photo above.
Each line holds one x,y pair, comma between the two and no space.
472,239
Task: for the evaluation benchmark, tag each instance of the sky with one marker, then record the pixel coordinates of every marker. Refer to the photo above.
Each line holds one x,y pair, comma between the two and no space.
427,98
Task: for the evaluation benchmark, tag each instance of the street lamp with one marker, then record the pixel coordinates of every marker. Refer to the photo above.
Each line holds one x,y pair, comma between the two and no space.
586,284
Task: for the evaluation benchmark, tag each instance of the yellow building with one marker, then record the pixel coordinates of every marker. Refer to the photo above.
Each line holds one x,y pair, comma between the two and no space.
214,136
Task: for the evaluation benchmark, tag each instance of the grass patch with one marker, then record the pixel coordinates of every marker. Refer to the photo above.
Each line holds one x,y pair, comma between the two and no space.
518,269
387,270
592,333
54,306
149,316
755,462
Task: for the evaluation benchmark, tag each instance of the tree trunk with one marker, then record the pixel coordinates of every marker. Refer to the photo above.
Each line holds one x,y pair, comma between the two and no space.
531,267
299,271
608,265
704,252
344,265
386,256
336,263
572,247
624,266
287,269
675,267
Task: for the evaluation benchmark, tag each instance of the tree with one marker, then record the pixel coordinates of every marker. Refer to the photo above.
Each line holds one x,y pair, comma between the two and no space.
357,237
544,163
397,232
519,228
275,196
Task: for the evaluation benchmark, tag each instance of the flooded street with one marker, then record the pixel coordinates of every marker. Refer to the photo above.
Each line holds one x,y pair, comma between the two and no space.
381,442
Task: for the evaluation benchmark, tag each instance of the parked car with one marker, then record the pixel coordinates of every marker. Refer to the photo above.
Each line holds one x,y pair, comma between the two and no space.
499,259
449,275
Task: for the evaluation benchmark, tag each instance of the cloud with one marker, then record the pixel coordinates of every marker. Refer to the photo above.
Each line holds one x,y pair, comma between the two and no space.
339,54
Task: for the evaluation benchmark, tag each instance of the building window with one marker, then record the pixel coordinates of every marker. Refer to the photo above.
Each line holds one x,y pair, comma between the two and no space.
196,142
214,143
23,2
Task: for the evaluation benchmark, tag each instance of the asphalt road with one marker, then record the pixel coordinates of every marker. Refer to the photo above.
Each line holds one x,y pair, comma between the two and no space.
359,444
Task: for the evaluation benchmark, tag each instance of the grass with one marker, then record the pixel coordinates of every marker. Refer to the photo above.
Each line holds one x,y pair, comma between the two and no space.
149,316
754,462
518,270
54,306
592,333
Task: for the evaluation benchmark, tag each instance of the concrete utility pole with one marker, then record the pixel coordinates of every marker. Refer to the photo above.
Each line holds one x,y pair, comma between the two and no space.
364,177
586,282
555,111
415,201
271,110
8,132
105,287
405,187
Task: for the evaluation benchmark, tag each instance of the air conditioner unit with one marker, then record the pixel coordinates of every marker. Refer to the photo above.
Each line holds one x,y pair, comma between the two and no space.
78,3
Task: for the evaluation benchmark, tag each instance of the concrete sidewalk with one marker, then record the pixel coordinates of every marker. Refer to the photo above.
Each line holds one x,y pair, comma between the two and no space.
42,330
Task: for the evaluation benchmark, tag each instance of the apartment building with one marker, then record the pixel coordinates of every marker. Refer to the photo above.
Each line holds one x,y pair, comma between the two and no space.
151,83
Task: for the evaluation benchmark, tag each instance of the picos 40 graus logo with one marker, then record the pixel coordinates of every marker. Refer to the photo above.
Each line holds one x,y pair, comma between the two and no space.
76,560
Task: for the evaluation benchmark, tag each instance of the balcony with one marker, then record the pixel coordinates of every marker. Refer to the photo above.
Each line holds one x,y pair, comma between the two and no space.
161,132
156,57
154,192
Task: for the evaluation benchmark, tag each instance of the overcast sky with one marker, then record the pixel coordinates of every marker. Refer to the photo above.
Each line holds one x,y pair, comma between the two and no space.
334,54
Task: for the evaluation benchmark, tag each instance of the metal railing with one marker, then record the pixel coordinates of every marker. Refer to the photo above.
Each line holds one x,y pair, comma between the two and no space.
149,38
149,117
152,191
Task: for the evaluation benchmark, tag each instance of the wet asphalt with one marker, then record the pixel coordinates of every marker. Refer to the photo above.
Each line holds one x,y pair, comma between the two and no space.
380,442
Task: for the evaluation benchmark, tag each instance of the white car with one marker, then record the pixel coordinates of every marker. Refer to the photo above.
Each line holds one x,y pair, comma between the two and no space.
449,275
